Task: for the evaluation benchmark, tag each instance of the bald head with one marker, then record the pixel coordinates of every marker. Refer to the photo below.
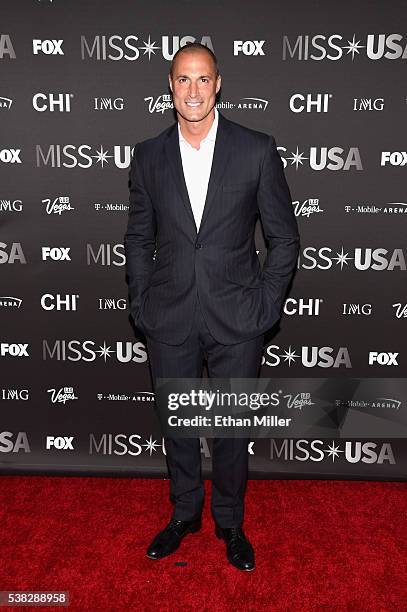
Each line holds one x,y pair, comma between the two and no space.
194,47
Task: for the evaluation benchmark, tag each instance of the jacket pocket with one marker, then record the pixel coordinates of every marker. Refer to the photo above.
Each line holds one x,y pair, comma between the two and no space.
163,268
244,276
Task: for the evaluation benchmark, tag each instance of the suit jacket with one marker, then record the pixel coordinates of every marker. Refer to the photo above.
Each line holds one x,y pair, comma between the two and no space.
169,262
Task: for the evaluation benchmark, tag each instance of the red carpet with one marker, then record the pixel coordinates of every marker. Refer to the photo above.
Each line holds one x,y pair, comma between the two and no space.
320,545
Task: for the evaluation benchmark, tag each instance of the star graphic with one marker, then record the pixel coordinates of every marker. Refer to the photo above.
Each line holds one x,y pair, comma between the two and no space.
354,47
105,351
342,258
102,156
333,451
289,355
297,158
151,445
149,47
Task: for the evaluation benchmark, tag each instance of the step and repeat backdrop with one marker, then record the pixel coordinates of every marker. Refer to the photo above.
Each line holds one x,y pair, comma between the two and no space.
82,82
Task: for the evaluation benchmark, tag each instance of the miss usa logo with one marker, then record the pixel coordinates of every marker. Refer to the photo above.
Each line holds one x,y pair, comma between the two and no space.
351,451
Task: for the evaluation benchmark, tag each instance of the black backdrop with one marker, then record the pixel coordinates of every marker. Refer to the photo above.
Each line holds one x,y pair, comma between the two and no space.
81,83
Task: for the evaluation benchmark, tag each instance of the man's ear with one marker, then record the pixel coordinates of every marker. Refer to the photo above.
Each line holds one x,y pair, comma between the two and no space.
218,83
170,80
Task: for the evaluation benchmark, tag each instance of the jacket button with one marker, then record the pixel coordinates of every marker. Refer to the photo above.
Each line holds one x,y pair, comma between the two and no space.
198,245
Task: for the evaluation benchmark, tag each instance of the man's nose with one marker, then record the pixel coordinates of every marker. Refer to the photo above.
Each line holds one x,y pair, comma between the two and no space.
193,89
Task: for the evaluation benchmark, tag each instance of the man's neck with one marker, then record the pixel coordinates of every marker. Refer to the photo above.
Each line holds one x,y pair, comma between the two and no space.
195,131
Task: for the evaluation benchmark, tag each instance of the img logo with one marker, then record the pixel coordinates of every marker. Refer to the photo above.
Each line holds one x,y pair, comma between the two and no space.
368,104
108,104
11,206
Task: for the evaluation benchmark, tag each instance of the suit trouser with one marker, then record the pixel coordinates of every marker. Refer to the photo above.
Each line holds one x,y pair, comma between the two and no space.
183,455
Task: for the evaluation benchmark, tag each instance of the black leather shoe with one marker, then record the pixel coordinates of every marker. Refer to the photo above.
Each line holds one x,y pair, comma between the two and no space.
239,551
168,540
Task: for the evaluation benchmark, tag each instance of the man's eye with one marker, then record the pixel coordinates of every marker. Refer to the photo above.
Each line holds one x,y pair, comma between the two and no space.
204,80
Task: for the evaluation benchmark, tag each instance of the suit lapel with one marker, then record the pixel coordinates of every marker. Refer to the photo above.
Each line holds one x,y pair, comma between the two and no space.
219,163
220,158
173,154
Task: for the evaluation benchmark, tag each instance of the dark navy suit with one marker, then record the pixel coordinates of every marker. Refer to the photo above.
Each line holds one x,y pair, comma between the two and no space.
202,295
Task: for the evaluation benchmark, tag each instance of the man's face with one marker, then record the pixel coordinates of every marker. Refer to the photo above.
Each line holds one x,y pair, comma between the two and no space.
194,85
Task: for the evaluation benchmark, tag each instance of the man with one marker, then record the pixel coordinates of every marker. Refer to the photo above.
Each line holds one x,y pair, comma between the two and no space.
196,191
